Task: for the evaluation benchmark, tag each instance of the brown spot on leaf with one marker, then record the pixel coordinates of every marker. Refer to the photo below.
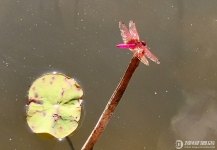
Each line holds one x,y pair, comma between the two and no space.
56,117
53,78
35,101
51,82
78,86
62,93
33,88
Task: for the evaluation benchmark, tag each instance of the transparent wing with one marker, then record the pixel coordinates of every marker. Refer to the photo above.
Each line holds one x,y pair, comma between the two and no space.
139,53
126,36
150,55
133,31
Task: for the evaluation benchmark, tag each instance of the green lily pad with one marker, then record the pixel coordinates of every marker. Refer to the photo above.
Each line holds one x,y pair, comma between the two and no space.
54,105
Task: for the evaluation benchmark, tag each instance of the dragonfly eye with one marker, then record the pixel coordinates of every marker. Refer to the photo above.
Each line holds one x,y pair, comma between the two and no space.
143,43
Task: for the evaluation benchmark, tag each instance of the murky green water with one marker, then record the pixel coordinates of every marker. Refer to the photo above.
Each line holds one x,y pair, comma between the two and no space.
175,100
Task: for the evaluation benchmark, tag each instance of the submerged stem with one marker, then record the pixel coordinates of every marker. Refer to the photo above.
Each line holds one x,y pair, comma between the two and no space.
111,105
70,143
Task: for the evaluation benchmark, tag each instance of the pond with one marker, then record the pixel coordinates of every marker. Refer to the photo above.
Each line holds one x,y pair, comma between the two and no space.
164,104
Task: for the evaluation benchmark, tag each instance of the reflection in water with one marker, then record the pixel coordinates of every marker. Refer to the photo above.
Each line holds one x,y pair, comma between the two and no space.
197,119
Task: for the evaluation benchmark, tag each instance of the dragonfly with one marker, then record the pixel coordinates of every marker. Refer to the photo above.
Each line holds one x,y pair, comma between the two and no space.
132,42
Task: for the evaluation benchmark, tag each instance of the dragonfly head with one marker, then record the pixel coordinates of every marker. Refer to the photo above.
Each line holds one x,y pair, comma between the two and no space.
143,43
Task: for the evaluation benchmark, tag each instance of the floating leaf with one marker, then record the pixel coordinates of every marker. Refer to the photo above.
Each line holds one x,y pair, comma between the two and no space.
54,105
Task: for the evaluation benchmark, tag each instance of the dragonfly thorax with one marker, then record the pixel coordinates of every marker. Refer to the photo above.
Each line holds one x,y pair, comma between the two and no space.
139,44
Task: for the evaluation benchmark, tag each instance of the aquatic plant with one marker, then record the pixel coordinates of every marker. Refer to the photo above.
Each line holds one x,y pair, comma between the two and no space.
54,105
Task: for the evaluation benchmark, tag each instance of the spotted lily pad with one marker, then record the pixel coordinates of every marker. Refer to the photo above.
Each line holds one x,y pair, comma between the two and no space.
54,105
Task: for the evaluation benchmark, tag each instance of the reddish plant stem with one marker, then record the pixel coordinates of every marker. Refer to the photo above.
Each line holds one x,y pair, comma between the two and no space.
111,105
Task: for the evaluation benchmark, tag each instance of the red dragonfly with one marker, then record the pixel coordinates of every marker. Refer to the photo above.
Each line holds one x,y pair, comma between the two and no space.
131,41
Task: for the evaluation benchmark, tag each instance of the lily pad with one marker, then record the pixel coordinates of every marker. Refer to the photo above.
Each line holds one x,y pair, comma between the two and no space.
54,105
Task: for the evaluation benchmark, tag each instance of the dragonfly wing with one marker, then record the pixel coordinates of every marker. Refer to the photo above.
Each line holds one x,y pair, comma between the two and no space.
144,60
150,55
133,31
126,36
139,53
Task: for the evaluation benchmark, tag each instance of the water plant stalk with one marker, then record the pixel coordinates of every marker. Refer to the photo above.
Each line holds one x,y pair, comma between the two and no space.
111,105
